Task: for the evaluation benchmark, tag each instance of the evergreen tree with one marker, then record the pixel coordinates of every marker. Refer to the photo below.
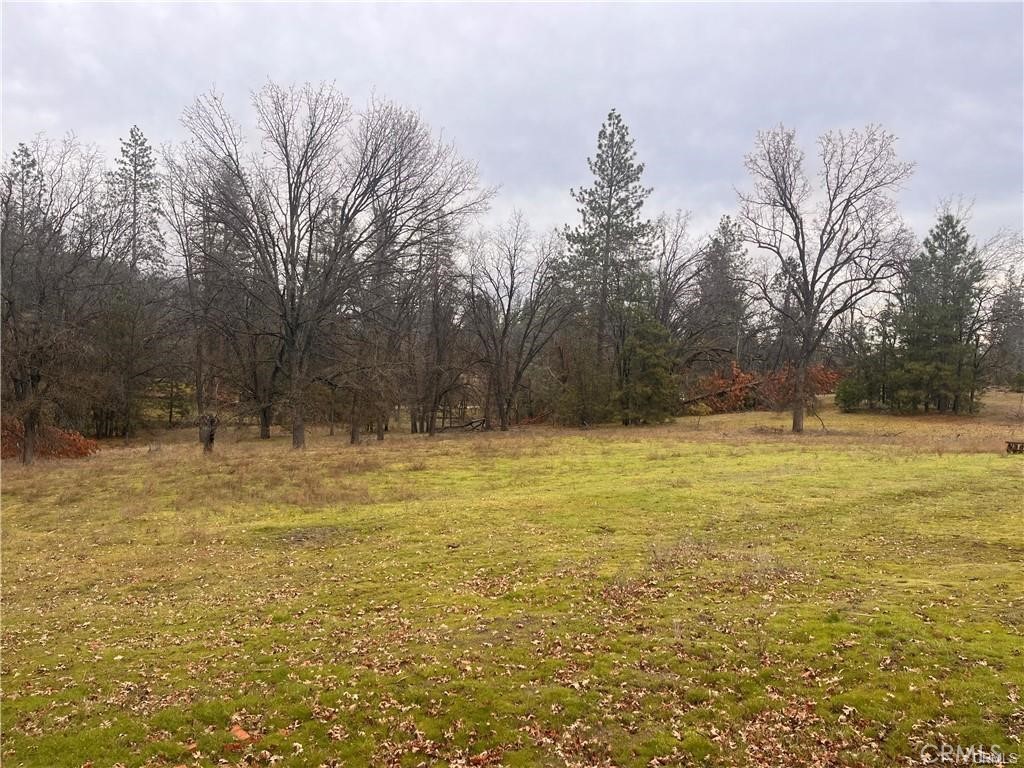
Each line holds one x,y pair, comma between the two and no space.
609,254
650,390
135,194
869,357
941,321
1007,334
132,332
717,326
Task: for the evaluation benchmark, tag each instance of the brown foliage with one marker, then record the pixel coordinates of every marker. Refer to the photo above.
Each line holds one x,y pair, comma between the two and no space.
740,390
51,442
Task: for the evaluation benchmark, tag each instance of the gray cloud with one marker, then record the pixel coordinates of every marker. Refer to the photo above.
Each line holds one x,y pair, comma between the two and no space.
522,89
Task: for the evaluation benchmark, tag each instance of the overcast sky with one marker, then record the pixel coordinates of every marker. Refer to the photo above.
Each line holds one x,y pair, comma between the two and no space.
522,90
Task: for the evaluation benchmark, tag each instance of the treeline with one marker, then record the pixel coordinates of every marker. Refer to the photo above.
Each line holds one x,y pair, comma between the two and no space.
947,330
330,267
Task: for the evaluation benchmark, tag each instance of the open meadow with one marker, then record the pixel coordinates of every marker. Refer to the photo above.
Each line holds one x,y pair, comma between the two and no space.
717,593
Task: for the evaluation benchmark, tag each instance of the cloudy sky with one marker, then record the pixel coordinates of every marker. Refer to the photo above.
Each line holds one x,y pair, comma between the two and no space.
523,89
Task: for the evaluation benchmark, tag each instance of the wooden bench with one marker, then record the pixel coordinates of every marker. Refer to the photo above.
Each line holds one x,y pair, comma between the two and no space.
1015,446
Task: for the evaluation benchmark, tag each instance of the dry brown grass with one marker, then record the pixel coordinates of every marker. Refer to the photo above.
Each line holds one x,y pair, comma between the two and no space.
1001,418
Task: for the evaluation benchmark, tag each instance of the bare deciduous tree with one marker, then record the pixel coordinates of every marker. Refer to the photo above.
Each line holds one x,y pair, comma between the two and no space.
830,245
53,260
515,305
330,194
676,263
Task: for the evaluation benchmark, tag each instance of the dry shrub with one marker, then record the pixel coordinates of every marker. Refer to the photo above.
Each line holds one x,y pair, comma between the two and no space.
742,390
51,442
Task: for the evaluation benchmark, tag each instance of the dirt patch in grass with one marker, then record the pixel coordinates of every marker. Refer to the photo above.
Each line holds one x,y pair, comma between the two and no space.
311,535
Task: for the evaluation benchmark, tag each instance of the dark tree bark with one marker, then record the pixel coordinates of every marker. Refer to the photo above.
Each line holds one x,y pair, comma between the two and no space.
800,398
353,418
331,417
266,417
207,431
28,443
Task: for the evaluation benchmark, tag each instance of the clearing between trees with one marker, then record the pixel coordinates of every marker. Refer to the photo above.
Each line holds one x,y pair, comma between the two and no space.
717,592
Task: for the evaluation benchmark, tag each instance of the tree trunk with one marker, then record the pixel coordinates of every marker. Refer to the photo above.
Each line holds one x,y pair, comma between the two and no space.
380,427
128,405
602,302
503,409
353,418
28,443
266,415
799,404
488,403
331,429
129,394
170,405
798,416
297,393
207,431
199,377
298,427
430,424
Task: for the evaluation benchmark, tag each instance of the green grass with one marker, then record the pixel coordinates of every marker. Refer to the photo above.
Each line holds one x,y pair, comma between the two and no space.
726,595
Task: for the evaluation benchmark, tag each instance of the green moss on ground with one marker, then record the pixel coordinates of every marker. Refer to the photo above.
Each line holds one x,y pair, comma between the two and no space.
672,596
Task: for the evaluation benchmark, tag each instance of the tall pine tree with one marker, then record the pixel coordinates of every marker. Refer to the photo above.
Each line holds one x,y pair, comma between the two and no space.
135,188
133,331
609,254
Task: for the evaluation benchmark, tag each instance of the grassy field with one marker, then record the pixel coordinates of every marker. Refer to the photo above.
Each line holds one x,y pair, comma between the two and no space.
720,593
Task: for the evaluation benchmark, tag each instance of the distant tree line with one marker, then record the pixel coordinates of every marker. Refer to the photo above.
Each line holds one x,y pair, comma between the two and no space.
946,331
328,266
